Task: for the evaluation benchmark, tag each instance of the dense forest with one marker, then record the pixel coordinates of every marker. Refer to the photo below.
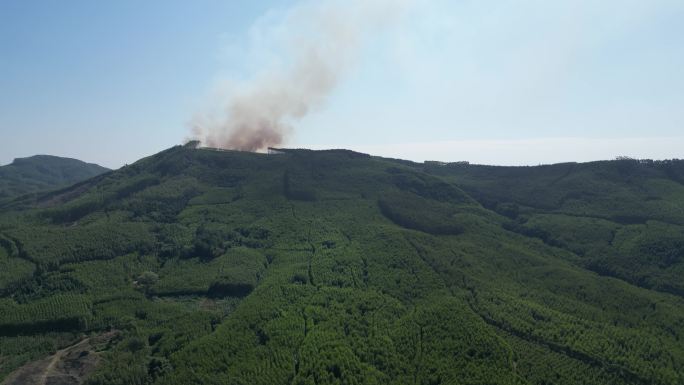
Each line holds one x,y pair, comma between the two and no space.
196,266
41,172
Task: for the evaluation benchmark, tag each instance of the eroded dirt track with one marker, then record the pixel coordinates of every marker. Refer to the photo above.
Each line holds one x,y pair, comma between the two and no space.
68,366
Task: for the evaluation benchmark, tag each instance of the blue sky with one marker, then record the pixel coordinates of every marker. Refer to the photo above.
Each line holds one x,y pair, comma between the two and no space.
501,82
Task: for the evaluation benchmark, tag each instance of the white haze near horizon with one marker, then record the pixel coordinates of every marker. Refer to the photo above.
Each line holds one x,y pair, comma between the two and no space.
496,82
542,82
522,152
526,152
516,82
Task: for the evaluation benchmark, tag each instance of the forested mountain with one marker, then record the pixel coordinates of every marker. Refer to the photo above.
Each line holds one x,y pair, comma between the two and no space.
42,172
196,266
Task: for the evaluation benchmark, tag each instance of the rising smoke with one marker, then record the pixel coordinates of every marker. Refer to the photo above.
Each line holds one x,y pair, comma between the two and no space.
318,41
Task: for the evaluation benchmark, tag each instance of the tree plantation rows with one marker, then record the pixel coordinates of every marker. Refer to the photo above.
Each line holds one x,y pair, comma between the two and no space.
333,267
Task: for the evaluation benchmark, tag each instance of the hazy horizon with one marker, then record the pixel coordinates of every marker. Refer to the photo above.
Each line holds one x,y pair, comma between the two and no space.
520,152
504,83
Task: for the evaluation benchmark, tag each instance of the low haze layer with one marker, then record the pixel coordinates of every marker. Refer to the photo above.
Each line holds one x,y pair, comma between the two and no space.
75,83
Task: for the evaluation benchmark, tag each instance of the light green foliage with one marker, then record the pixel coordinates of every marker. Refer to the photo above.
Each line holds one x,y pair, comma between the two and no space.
13,270
334,267
239,266
51,246
59,312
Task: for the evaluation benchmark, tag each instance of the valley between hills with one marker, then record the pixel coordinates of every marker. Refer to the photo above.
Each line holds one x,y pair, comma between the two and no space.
195,266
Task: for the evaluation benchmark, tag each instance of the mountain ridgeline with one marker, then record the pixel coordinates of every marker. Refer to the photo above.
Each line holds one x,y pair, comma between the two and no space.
42,172
335,267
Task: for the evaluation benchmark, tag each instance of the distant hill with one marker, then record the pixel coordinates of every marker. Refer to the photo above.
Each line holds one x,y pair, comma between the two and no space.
196,266
43,172
623,218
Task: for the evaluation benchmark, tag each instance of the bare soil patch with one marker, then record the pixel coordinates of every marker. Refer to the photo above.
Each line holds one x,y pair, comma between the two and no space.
68,366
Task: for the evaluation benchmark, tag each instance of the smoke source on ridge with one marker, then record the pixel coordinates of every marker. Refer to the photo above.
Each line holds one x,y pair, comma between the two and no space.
315,43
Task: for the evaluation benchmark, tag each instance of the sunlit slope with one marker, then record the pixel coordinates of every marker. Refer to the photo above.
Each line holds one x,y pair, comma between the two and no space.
329,267
622,218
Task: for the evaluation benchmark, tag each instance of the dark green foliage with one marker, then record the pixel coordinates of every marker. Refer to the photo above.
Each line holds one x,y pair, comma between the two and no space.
68,312
209,242
136,185
417,213
16,350
225,288
596,210
43,172
333,267
426,186
50,246
13,269
297,189
75,210
238,270
146,280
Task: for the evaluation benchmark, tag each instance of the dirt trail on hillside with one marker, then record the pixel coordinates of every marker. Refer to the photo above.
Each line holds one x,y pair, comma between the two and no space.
68,366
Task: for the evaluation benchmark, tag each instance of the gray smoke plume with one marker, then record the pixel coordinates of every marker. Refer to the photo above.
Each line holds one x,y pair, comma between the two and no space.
319,41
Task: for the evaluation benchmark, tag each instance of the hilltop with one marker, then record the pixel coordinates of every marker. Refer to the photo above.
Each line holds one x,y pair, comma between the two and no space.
336,267
43,172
